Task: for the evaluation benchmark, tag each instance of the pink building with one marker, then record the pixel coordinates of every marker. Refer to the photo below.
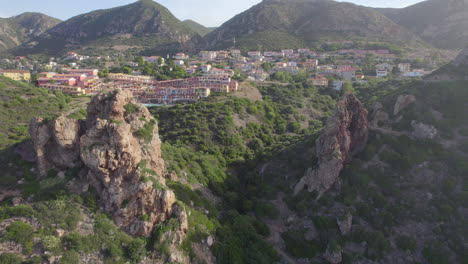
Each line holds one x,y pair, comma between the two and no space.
88,72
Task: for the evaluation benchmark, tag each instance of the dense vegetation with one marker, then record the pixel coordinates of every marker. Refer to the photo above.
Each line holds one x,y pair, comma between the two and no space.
20,102
219,142
236,159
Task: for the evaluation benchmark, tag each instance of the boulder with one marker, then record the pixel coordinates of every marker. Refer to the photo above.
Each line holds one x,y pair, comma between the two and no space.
423,131
345,223
403,101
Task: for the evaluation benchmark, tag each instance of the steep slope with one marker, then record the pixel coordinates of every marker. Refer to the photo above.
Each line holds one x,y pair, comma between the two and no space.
443,23
456,70
141,25
301,22
197,27
19,29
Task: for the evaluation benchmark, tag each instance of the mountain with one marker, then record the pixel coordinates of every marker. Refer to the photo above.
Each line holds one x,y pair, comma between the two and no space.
140,25
443,23
18,29
279,23
199,28
456,70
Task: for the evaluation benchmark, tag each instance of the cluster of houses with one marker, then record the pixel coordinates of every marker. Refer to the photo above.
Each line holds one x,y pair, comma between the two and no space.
150,91
74,82
209,71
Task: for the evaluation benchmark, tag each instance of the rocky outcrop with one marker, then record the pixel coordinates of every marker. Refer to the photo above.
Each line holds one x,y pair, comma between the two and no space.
345,223
423,131
403,101
119,151
56,143
344,135
378,115
333,257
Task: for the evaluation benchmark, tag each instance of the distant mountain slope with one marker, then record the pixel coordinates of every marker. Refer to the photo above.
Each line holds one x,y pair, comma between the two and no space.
443,23
199,28
456,70
296,21
142,24
18,29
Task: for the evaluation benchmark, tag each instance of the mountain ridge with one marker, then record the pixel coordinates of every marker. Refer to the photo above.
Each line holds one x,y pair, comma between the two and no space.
440,23
143,23
309,21
19,29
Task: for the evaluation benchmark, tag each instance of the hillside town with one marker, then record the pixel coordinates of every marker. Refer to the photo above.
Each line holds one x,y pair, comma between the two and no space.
210,72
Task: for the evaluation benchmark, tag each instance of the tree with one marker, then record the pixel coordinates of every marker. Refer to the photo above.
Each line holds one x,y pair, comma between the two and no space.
137,250
348,88
127,70
267,66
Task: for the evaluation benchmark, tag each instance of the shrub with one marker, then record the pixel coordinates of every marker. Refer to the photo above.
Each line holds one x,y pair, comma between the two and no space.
136,250
146,133
263,209
10,258
51,243
406,243
19,232
130,109
70,257
436,253
298,246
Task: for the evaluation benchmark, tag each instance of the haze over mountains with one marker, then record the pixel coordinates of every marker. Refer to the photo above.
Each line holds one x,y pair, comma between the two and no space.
272,24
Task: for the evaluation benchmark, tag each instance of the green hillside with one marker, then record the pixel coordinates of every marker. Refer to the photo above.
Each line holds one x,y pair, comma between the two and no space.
143,24
21,102
308,21
197,27
19,29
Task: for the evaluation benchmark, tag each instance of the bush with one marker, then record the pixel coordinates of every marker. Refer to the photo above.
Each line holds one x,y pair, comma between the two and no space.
406,243
70,257
19,232
298,246
9,258
130,109
146,133
436,253
51,243
263,210
136,250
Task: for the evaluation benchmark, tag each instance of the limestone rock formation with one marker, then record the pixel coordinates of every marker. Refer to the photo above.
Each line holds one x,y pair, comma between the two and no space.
119,150
344,135
403,102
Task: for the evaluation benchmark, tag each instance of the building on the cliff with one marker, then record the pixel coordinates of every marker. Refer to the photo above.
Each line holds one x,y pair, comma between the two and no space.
17,75
149,90
75,82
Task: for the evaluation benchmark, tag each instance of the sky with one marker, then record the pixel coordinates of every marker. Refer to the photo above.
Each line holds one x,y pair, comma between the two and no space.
207,12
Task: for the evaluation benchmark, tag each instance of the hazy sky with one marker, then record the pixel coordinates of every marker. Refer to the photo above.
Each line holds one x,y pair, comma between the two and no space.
207,12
